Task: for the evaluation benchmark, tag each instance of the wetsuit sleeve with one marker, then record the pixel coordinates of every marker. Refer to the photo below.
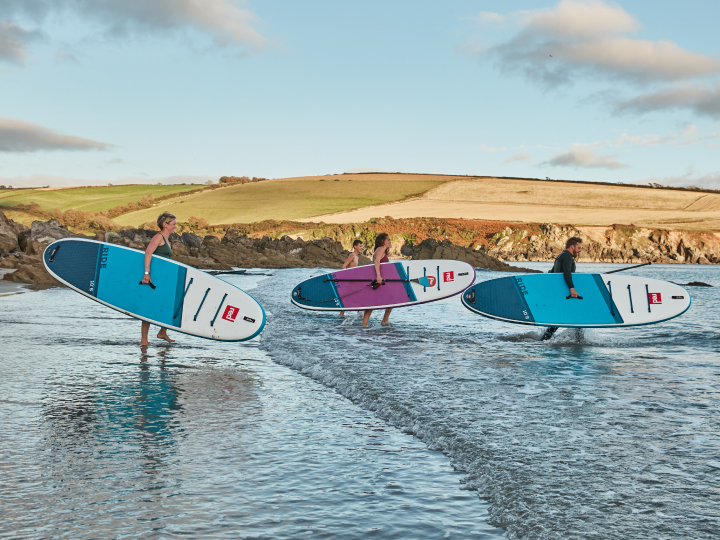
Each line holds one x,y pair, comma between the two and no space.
567,264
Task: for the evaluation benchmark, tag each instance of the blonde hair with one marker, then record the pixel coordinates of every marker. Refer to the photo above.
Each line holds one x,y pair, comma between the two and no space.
165,217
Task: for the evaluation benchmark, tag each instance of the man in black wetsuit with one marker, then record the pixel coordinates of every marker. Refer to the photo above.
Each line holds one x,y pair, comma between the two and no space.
565,264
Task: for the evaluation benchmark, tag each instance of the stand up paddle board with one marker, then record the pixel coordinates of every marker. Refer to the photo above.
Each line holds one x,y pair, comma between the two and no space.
405,284
607,300
180,298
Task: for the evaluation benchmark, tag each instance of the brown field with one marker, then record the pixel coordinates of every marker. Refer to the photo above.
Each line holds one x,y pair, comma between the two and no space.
539,201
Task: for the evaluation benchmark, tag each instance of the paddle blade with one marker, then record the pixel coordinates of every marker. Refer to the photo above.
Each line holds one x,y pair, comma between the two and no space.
424,281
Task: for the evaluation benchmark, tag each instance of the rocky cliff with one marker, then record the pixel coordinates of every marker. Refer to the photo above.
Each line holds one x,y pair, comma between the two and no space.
22,248
619,243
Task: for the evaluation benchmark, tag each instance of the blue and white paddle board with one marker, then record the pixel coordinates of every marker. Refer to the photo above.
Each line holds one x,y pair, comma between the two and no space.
408,283
182,298
607,300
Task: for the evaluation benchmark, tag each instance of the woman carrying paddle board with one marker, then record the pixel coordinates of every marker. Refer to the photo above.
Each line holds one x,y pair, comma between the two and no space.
382,245
353,259
159,245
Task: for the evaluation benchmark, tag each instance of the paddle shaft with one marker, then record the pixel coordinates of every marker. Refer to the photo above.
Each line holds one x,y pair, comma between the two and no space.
404,280
628,268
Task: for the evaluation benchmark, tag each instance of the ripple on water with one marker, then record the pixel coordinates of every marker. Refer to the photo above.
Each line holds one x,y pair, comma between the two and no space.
595,434
197,439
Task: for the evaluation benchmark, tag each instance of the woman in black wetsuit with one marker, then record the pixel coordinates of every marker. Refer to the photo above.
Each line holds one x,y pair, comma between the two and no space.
159,245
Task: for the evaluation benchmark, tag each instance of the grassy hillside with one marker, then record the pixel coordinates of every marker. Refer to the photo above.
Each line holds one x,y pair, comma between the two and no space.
289,198
578,203
92,199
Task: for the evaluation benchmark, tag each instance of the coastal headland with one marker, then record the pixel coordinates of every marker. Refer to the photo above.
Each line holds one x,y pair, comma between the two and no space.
307,222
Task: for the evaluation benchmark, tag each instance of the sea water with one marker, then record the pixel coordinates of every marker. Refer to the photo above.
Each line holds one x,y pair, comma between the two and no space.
442,424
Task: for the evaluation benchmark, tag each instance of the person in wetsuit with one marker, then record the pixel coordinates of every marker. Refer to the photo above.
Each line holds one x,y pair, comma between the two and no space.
159,245
382,247
565,264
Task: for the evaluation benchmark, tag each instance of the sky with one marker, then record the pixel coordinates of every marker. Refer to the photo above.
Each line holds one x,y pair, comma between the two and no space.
147,91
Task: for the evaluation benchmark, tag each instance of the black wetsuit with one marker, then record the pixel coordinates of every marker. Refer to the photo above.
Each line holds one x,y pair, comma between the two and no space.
565,264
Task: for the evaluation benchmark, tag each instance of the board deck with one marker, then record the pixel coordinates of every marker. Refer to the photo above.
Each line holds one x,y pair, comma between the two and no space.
607,300
329,293
184,299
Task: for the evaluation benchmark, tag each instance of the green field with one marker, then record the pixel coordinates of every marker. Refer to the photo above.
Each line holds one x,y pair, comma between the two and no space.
93,199
291,198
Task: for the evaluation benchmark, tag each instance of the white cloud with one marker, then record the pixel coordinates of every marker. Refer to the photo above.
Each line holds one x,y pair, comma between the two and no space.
222,20
489,17
578,37
522,157
18,136
586,158
701,99
689,135
13,41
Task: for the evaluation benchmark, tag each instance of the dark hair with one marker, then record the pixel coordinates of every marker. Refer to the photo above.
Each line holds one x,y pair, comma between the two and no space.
165,217
380,239
356,242
572,241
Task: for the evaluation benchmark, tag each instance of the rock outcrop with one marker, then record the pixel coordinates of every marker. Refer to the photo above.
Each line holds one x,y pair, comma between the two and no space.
432,249
212,252
619,243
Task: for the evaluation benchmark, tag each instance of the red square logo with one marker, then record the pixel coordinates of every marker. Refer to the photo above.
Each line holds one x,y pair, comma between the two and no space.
431,281
230,313
448,276
655,298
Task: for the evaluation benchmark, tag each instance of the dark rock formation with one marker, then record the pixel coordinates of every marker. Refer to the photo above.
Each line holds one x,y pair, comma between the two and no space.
432,249
30,269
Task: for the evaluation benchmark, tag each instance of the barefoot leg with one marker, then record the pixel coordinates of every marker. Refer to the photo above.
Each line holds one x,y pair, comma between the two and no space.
366,317
162,334
386,317
342,313
145,329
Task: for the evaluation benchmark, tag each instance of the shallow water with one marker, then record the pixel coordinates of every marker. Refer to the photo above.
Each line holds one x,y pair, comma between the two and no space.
595,434
197,439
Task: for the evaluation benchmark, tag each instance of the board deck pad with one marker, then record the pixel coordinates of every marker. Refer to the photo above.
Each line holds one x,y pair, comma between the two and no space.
607,300
329,293
184,299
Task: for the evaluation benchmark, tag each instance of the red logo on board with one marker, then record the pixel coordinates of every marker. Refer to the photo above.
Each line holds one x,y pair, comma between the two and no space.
431,281
655,298
230,313
448,276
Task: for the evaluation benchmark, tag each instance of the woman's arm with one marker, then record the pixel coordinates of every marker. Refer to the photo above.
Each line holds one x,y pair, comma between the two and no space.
378,255
349,260
154,243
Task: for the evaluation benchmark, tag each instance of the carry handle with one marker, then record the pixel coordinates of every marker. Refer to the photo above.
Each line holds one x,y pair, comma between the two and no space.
576,297
148,283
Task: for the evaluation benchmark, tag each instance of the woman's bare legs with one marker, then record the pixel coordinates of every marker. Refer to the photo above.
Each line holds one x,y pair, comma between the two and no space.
386,317
162,334
342,313
145,330
366,317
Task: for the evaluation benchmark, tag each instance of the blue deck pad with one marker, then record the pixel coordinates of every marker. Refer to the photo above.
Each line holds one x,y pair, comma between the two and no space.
408,286
77,263
503,298
121,288
320,293
549,303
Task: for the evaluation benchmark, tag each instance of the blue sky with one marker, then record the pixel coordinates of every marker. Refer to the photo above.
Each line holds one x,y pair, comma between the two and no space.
113,91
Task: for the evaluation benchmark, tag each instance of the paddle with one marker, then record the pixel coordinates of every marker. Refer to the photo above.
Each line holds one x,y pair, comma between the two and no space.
628,268
240,272
424,281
